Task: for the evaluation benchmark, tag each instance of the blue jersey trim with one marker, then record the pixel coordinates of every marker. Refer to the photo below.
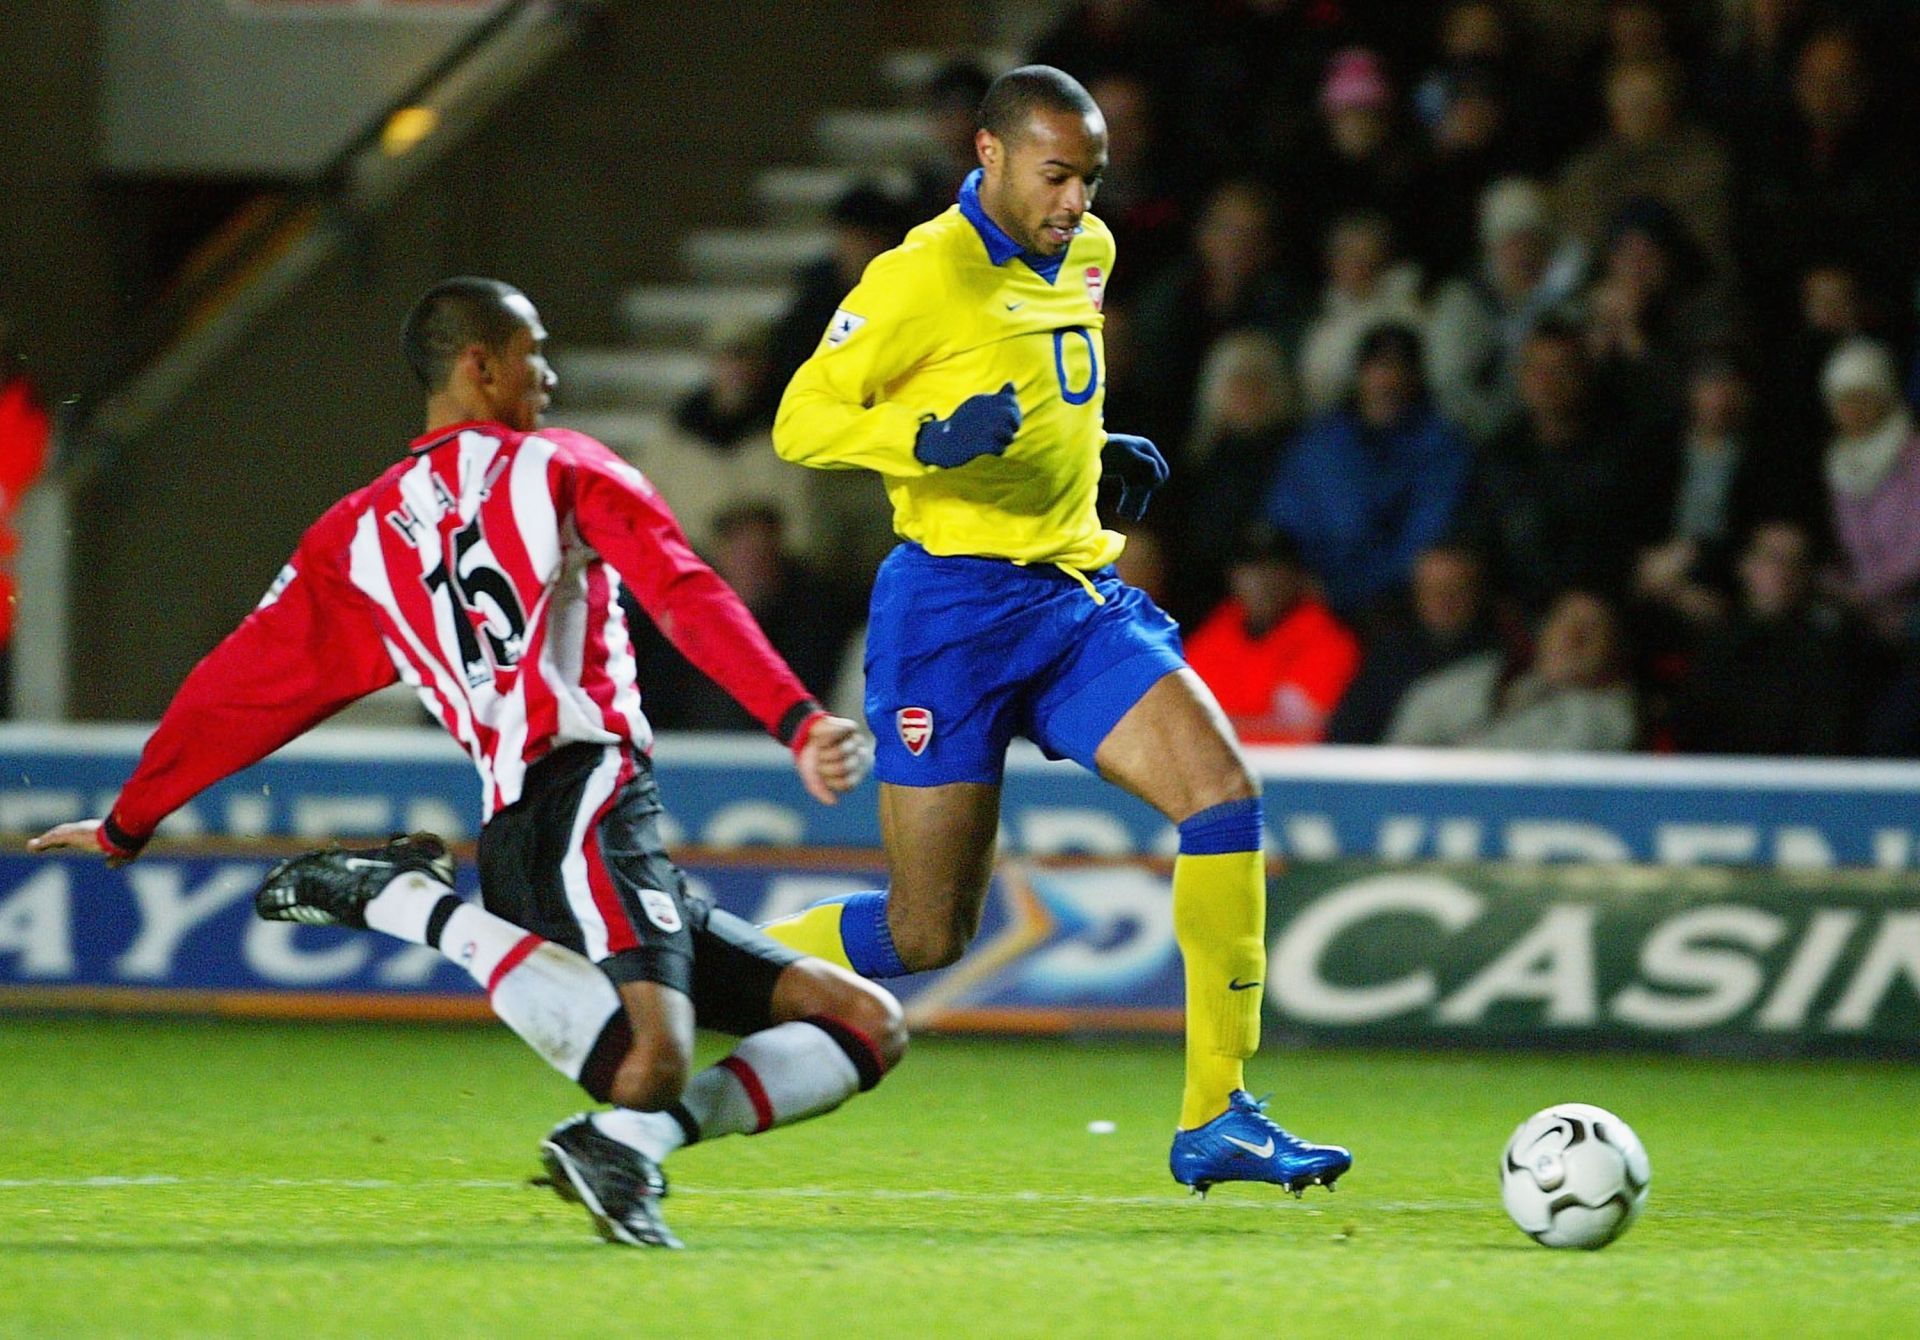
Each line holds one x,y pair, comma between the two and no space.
1001,248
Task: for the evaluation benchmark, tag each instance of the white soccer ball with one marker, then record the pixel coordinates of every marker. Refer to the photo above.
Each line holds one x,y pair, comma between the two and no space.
1574,1175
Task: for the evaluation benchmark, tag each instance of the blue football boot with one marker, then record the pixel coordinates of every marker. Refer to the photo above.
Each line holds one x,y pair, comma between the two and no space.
1243,1144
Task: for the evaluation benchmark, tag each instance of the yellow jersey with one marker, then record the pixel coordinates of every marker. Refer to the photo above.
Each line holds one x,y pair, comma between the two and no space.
958,310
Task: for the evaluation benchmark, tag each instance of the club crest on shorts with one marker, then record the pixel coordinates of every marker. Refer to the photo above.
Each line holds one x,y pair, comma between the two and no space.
1096,287
660,910
916,729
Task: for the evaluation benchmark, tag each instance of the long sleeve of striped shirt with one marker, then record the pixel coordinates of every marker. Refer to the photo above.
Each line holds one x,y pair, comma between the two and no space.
309,648
483,570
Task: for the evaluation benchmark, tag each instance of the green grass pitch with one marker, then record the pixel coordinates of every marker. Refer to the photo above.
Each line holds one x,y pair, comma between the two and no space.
203,1178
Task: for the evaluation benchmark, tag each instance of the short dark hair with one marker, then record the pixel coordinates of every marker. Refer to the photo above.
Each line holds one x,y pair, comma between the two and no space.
454,314
1016,95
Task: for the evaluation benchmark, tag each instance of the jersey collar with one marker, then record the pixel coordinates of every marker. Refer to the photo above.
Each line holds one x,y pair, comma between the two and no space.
1000,247
429,440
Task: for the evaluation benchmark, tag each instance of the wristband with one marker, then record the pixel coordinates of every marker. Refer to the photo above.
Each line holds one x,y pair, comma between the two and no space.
797,722
115,841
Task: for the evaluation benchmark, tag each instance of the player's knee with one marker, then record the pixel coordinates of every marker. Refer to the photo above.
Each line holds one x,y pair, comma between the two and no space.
652,1076
837,999
1225,783
875,1012
932,942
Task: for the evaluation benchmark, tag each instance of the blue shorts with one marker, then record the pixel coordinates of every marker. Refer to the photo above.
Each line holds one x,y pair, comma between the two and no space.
963,654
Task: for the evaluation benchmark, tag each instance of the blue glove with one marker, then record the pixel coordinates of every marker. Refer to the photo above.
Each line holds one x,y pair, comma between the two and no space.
983,425
1140,468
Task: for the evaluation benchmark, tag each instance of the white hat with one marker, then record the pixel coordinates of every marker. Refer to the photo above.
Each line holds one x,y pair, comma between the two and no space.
1513,205
1860,365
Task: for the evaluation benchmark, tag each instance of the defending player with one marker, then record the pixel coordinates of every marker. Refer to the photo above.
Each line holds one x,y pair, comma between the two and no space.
484,570
966,369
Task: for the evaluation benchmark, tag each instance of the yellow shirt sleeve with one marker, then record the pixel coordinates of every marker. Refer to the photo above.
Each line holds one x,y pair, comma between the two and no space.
835,414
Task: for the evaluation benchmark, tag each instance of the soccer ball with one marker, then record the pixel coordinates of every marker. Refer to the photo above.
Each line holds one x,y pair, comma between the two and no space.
1574,1175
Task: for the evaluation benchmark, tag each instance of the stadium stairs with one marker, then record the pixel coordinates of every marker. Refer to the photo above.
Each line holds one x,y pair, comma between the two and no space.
624,394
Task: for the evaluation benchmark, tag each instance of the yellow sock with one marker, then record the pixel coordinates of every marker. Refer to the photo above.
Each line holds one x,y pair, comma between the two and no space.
1219,918
815,931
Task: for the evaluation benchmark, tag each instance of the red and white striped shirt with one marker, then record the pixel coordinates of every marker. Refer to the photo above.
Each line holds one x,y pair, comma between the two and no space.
483,570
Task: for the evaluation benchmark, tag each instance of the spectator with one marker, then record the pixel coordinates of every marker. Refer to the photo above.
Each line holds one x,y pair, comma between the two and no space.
1834,304
807,620
1361,159
953,98
1241,423
1486,35
1479,322
1273,654
1727,469
1259,64
1141,193
1446,618
1145,562
732,404
1725,476
1471,146
1100,37
1134,393
1650,150
1367,486
866,221
1366,287
1555,502
24,440
1873,477
1778,675
1831,175
1627,30
1653,304
1749,81
1573,696
1471,35
1228,280
716,453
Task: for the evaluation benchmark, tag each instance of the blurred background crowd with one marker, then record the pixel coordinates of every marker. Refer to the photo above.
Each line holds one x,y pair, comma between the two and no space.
1519,393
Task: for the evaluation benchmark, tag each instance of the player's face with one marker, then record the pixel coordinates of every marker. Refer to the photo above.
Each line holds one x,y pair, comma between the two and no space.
1038,183
517,380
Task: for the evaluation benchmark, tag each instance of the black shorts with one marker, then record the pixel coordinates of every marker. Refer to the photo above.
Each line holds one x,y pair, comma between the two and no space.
578,860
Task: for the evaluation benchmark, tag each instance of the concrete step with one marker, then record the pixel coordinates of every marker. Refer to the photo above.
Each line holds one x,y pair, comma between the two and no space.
906,72
664,313
751,255
627,431
799,195
873,139
594,378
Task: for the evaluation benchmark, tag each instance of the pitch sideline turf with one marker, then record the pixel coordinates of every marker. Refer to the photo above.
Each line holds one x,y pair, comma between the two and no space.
199,1178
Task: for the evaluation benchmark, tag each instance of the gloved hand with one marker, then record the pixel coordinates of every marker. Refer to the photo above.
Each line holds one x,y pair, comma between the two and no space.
1140,468
982,425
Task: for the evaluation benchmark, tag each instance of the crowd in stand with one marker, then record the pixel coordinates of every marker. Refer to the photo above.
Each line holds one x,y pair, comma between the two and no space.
1534,375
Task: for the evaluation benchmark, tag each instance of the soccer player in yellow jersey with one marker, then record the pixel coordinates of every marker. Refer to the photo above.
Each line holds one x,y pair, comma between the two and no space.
966,369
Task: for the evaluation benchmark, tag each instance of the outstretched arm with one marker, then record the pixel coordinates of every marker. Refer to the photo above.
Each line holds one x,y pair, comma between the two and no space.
310,648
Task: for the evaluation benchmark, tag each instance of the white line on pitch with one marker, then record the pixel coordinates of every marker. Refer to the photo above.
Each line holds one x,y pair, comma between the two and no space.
1355,1204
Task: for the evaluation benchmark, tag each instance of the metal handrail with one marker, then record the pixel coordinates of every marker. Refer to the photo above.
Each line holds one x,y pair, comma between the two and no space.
326,196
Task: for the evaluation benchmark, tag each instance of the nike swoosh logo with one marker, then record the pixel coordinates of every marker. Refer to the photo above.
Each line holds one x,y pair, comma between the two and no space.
1237,985
1258,1151
1015,306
